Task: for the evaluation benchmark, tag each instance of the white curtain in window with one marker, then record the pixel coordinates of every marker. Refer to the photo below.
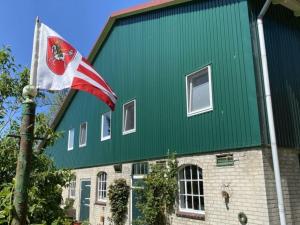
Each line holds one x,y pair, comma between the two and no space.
200,97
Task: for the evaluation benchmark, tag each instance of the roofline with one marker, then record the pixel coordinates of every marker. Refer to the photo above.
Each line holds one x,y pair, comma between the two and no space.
142,8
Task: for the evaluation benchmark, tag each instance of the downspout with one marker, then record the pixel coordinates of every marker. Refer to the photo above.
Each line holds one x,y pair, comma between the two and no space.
270,117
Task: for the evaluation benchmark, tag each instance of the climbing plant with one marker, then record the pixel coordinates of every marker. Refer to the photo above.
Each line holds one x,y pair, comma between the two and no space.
157,197
118,194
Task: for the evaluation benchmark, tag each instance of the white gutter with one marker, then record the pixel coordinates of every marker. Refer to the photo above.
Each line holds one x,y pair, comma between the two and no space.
270,117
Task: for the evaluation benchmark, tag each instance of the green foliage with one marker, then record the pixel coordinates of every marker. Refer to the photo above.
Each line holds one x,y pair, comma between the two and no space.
118,194
157,197
6,195
46,182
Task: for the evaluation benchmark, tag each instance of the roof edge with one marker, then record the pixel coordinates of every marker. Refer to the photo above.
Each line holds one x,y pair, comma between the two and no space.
142,8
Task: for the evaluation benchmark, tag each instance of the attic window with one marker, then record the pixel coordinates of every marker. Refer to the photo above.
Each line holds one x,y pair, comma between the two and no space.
105,127
225,160
129,120
71,139
83,134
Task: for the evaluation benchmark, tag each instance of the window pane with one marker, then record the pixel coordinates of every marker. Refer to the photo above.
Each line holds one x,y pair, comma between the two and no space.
196,202
190,202
71,139
200,173
194,172
189,187
182,187
181,174
182,201
200,97
195,188
82,139
188,172
129,116
201,187
106,118
202,203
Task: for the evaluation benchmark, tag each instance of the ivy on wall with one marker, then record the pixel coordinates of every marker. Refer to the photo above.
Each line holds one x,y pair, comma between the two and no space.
157,197
118,195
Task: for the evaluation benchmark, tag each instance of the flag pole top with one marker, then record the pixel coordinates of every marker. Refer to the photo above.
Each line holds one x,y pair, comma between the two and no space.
35,51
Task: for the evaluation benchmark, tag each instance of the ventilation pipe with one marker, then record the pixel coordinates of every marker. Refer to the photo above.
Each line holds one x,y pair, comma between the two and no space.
270,118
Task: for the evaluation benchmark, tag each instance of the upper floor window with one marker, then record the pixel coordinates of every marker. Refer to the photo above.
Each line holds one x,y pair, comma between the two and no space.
71,139
105,126
101,186
83,134
191,195
72,188
199,92
129,117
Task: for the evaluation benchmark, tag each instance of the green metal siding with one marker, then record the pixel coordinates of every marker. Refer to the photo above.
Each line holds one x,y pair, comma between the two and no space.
282,34
146,57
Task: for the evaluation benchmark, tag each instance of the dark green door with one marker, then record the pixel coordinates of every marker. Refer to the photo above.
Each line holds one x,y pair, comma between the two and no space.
85,200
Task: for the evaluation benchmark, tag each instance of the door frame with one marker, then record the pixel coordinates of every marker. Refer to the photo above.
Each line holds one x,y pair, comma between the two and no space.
81,180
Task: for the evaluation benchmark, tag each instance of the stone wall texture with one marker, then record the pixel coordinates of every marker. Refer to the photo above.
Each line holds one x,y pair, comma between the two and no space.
249,182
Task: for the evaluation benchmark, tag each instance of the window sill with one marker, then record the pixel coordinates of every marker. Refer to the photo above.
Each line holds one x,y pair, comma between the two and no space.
189,215
105,138
200,111
129,131
100,203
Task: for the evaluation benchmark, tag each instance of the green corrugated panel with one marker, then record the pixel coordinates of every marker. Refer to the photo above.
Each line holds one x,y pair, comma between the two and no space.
146,57
282,34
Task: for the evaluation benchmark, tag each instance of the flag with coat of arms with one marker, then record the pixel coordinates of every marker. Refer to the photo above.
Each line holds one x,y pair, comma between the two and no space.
59,65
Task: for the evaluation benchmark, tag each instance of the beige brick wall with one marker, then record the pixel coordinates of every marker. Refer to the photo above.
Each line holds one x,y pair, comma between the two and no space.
249,182
290,181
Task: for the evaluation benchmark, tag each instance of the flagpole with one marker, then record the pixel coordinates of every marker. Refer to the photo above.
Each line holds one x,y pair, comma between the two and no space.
35,52
19,214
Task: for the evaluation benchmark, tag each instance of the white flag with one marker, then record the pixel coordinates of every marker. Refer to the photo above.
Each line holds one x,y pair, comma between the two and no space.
61,66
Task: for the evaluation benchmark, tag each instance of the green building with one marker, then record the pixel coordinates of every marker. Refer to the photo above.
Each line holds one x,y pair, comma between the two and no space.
189,79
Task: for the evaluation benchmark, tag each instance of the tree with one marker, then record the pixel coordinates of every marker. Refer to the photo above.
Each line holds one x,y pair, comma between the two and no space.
46,182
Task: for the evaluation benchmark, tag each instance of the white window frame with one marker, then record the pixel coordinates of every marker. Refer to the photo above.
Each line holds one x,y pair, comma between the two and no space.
83,144
69,142
100,187
102,126
72,187
200,211
123,119
189,89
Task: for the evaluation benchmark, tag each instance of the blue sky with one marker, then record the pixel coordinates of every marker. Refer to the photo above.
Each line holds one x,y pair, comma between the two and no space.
78,21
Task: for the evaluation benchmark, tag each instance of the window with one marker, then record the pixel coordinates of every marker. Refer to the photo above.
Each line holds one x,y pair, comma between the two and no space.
199,92
105,126
101,186
140,168
191,196
129,117
83,134
72,189
71,139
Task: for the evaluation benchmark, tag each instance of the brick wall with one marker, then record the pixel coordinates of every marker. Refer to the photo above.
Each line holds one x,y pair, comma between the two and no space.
290,181
249,182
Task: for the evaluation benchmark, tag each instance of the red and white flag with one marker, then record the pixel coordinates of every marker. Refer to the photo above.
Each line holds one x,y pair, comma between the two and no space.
60,66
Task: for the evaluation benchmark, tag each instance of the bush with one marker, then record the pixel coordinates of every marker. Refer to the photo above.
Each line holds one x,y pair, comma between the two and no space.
118,194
